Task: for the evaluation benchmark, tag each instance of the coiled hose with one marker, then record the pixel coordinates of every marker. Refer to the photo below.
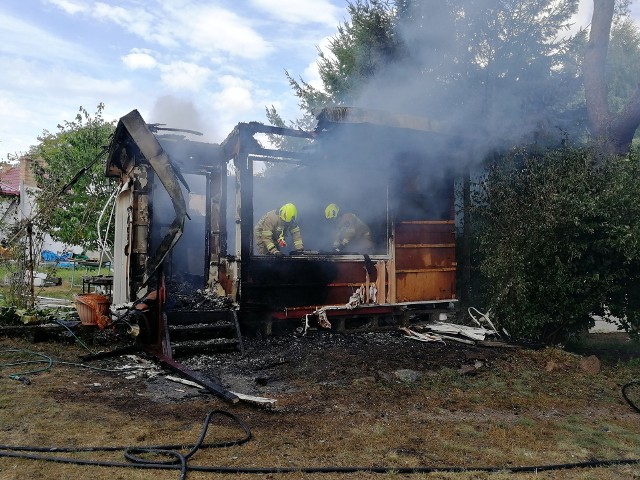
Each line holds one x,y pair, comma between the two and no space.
175,459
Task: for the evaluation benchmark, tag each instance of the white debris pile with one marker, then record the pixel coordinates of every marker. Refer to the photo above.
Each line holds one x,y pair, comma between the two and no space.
442,331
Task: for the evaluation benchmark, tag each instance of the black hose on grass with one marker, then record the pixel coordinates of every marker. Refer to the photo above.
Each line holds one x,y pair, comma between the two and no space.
175,460
46,363
626,397
183,467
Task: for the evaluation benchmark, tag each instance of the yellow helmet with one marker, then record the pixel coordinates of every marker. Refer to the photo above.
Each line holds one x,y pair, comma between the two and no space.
288,212
331,211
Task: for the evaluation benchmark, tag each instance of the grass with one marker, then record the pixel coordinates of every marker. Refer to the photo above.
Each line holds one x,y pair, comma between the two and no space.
71,285
528,416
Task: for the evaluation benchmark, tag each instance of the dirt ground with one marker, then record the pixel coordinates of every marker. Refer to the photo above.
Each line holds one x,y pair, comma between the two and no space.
368,399
275,365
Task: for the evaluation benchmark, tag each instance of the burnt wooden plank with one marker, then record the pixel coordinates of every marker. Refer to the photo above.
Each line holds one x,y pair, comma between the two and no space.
206,382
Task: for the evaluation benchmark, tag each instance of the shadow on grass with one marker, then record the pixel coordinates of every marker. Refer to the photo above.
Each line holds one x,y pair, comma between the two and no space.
608,347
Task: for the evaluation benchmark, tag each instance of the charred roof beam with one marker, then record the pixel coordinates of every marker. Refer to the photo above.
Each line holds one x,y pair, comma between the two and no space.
270,155
242,137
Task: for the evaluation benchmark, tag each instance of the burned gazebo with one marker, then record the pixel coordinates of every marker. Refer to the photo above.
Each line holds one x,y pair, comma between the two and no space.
186,211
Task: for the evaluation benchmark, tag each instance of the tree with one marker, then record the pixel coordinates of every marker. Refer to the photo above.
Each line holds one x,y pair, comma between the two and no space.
500,73
507,65
612,130
310,98
362,46
504,69
69,169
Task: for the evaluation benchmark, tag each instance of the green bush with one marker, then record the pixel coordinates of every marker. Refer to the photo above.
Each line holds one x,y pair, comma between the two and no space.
559,241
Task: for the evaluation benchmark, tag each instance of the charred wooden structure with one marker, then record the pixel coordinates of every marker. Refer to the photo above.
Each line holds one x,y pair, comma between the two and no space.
186,211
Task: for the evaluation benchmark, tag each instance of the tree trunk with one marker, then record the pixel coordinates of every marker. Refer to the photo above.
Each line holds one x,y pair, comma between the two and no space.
612,132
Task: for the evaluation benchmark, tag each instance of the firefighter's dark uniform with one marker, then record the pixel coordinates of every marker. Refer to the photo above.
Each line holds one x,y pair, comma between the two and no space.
270,229
352,234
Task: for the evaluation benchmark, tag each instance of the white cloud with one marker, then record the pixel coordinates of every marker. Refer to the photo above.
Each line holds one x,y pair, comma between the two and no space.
118,15
139,59
148,24
311,74
211,29
24,40
203,28
68,6
231,81
127,52
27,78
235,96
301,11
184,75
26,115
10,109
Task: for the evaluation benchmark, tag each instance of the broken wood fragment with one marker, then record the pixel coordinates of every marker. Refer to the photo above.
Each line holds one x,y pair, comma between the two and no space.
205,382
263,401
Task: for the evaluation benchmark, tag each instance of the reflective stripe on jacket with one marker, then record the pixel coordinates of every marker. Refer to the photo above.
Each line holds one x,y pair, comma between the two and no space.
271,227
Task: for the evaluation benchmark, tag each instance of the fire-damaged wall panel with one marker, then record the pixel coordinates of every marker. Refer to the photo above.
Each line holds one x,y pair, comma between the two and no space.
423,245
122,245
216,227
139,230
425,261
171,198
295,282
420,285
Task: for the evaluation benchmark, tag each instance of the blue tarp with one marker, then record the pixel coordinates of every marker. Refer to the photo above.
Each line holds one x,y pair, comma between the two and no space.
61,260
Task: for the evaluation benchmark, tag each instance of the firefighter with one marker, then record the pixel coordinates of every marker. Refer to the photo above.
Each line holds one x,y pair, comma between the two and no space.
351,233
273,227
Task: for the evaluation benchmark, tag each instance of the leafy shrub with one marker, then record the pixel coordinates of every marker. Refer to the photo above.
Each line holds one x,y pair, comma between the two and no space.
559,242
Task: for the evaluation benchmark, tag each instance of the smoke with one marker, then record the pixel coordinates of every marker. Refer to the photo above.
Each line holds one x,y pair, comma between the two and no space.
483,91
484,74
375,172
180,113
486,81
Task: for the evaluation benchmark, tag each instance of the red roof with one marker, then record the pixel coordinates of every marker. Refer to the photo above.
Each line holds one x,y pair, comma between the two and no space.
10,181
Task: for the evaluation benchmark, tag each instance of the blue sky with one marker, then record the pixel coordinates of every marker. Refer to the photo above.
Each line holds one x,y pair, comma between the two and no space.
194,64
203,65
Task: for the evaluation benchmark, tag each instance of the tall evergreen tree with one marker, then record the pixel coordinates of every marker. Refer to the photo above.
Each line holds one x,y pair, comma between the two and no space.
362,46
503,64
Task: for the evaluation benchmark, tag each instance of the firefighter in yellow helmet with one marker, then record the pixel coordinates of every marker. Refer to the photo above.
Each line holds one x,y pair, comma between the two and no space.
351,233
273,227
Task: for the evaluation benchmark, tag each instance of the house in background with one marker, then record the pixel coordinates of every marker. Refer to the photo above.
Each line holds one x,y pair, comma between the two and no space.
9,198
18,190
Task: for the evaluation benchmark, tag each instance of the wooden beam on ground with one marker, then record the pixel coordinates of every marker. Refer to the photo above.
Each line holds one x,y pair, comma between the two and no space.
198,378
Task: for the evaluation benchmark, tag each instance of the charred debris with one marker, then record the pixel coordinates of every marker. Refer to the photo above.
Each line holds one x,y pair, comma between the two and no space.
184,257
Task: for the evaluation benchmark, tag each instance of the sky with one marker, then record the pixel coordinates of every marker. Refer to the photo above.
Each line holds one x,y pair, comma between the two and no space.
194,64
203,65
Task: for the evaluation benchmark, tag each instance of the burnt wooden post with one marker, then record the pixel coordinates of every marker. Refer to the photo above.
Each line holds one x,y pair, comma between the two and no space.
244,218
466,239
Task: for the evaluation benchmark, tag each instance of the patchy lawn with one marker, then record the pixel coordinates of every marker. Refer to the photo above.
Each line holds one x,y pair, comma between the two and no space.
377,400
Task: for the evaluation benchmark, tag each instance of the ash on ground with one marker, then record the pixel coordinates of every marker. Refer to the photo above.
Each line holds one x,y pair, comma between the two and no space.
184,298
273,365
